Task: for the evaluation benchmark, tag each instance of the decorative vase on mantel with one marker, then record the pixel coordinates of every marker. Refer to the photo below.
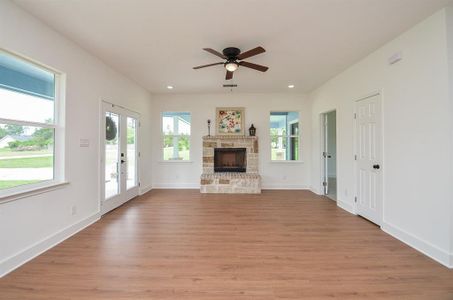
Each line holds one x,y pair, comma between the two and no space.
252,130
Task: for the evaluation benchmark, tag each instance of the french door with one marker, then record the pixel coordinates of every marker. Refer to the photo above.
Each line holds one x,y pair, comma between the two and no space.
119,167
368,159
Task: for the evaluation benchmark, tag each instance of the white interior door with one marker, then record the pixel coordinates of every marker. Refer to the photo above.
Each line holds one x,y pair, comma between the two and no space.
369,158
119,167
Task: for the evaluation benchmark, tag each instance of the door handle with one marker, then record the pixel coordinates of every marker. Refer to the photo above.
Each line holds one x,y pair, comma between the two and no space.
326,155
376,167
123,161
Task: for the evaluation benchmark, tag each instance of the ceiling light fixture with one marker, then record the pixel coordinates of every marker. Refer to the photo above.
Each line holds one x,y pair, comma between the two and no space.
169,87
291,86
231,66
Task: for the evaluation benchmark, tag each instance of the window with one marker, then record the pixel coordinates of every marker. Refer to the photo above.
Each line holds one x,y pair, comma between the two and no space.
29,129
284,132
176,136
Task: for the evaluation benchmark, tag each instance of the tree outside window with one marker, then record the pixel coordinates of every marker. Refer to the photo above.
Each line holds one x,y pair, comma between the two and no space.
176,135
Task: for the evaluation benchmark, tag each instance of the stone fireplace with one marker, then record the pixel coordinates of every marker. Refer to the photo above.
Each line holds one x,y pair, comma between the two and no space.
230,165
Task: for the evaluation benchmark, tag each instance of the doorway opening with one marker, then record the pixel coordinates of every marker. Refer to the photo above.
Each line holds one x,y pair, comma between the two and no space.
329,154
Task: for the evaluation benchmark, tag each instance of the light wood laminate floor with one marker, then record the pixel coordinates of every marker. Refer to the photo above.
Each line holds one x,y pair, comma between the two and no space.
180,244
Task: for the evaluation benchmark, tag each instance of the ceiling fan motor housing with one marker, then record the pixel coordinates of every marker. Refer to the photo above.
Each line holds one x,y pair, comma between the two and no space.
231,52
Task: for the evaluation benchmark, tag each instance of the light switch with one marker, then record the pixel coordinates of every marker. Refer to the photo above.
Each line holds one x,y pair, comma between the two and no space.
84,142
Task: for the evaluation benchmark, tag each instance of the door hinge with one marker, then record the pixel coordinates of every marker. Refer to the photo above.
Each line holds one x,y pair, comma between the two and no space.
355,116
355,157
139,184
139,154
355,199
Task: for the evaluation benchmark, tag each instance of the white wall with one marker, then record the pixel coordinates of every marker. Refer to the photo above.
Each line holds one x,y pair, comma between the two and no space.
417,134
257,109
449,11
29,225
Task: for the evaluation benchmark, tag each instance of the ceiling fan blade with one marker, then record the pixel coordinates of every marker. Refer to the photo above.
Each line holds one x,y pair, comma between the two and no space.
253,66
210,65
216,53
250,53
229,75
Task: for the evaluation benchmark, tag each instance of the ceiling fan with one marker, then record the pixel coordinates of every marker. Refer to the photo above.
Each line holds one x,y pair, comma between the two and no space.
234,59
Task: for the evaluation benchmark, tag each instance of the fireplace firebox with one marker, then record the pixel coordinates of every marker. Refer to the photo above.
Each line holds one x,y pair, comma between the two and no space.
230,160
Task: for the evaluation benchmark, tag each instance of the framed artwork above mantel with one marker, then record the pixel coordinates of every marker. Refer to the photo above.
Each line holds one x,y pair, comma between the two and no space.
230,121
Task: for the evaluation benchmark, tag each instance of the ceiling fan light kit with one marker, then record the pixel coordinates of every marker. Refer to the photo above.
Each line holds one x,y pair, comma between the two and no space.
234,59
231,66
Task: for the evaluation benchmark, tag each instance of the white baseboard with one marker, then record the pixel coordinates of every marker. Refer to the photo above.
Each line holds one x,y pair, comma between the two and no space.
346,206
419,244
176,186
315,191
144,190
15,261
284,187
197,186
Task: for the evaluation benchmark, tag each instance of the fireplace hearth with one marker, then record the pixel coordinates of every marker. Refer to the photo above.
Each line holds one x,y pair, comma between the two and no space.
230,160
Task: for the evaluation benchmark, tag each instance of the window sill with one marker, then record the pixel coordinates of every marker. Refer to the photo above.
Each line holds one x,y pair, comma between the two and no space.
32,191
176,161
286,162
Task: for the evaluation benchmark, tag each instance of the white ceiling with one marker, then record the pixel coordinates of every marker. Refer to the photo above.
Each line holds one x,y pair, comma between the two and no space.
157,42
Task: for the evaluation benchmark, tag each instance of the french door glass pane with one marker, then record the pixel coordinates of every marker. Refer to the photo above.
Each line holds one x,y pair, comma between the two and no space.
112,149
131,152
26,155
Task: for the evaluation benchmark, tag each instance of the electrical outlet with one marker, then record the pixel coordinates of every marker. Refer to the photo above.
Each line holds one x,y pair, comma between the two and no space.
73,210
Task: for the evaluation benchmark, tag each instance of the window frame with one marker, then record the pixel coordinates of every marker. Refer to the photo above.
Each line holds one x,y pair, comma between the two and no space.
58,125
189,160
287,136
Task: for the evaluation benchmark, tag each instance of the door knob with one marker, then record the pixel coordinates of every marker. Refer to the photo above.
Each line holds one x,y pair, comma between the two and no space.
376,167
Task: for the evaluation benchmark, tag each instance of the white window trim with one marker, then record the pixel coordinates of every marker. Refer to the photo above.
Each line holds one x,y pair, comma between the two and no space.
59,177
173,161
29,190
